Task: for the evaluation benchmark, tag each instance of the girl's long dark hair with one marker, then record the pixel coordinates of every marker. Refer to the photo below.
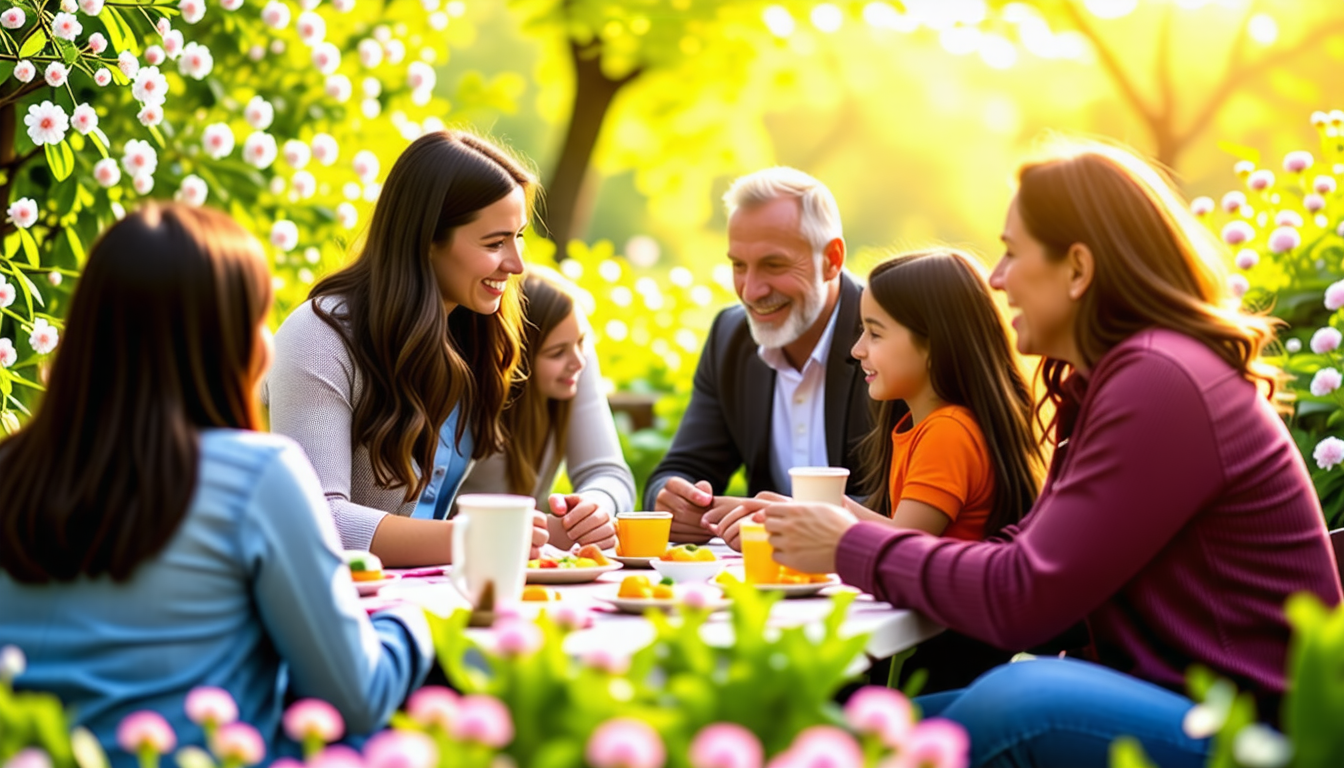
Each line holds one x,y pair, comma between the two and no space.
159,343
943,299
532,419
417,362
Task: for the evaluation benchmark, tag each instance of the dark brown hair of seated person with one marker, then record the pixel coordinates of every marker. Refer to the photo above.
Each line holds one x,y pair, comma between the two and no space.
160,342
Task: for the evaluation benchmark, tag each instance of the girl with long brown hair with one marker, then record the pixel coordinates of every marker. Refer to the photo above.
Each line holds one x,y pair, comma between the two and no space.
558,413
393,375
150,540
1177,517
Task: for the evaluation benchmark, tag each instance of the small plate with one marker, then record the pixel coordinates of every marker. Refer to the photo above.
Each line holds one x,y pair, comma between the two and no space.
634,562
369,588
800,590
569,575
638,605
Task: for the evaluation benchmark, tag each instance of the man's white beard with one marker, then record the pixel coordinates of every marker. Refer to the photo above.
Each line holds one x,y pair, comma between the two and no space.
800,318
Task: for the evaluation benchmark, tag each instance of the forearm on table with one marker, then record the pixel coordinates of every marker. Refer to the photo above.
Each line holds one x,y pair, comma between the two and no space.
405,542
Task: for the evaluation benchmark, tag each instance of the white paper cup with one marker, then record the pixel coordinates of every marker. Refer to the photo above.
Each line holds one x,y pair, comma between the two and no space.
492,535
819,484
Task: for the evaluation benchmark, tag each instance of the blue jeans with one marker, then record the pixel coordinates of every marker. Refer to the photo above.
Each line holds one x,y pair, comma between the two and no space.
1064,713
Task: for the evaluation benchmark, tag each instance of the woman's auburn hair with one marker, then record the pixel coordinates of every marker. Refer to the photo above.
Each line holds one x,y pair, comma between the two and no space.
418,362
1155,265
532,420
160,342
942,298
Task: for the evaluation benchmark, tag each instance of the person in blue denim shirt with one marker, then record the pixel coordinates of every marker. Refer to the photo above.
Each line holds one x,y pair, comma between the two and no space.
153,541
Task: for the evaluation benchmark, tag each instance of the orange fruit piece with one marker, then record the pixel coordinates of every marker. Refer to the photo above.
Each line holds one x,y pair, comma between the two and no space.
662,592
533,593
634,586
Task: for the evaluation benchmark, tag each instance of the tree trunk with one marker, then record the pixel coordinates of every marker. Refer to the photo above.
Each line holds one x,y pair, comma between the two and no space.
7,135
593,95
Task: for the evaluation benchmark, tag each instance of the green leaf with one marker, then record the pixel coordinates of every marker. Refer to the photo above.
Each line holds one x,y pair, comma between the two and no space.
30,291
34,44
77,247
61,161
154,131
30,249
1240,151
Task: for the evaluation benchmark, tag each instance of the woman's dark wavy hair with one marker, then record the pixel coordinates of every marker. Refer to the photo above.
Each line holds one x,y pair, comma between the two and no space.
942,297
417,361
1155,265
159,343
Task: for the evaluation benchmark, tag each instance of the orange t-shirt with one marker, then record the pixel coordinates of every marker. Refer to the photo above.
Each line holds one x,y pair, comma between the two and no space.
944,462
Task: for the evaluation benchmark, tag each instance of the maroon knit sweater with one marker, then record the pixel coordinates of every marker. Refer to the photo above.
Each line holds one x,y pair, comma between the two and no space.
1177,519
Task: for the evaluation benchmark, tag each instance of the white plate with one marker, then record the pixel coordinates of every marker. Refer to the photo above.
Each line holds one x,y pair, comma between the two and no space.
638,606
368,588
800,590
634,562
569,575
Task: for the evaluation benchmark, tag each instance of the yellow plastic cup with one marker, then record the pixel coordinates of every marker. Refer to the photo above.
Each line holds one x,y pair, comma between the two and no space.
642,534
758,557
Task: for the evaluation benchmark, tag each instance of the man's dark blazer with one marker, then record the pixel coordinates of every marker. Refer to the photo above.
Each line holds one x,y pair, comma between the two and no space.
727,423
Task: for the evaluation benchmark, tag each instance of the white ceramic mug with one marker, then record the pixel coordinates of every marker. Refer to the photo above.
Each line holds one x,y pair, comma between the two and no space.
820,484
492,535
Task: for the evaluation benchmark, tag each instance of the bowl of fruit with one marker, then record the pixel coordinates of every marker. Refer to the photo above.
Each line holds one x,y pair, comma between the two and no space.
688,563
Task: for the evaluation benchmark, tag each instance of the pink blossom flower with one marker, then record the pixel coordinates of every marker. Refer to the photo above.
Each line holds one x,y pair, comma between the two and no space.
1313,202
1284,239
1237,232
569,616
1326,340
420,76
1287,218
146,729
880,712
726,745
230,5
149,87
8,356
483,720
1334,296
937,743
259,150
297,154
347,215
308,719
284,235
824,746
311,27
192,10
23,212
142,183
97,43
1325,381
217,140
102,77
106,172
128,64
30,757
277,46
12,661
150,116
1260,180
1298,161
517,637
1293,346
303,184
1247,258
256,52
335,756
7,296
55,278
338,88
370,53
343,6
65,26
172,44
1201,206
401,749
208,704
193,190
395,51
326,57
12,18
325,149
239,744
698,596
1323,184
433,705
624,742
163,26
259,113
46,123
1238,285
366,166
382,33
606,660
155,55
196,61
91,7
1243,168
56,74
275,15
24,71
1329,452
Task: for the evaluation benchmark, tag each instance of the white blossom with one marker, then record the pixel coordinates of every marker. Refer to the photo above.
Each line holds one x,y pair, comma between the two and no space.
97,43
370,53
150,116
149,87
142,183
370,108
259,150
217,140
395,51
196,61
420,76
347,215
55,278
366,166
44,337
106,172
277,46
1329,452
155,55
56,74
128,64
343,6
230,5
259,113
193,190
91,7
338,88
192,10
371,87
311,27
65,26
139,157
303,184
8,355
24,71
84,119
163,26
172,43
256,52
326,57
102,77
325,148
47,123
275,15
1325,381
7,293
13,18
12,662
284,235
297,154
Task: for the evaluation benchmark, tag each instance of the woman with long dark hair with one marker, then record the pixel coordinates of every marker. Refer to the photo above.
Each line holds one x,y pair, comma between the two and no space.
393,375
151,541
1177,517
559,414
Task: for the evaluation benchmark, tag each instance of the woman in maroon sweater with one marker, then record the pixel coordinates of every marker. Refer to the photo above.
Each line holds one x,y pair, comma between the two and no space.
1177,517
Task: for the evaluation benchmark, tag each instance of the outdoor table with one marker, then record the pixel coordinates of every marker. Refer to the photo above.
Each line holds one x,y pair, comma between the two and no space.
891,630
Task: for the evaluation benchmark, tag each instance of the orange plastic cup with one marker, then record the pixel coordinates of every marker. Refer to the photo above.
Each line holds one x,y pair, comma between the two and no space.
642,534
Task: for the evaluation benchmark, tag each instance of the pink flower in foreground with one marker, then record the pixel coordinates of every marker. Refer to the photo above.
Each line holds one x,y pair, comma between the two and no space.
1288,218
326,58
517,638
43,340
311,27
32,757
1326,340
308,719
208,704
698,596
1329,452
937,743
91,7
1233,201
7,295
825,746
401,749
1334,296
1237,232
23,212
1297,162
106,172
1247,258
239,744
297,154
336,756
625,743
606,660
325,148
1325,381
1243,168
284,235
47,123
259,149
433,705
193,190
1238,285
880,712
1323,185
12,18
1201,206
275,15
1260,180
145,730
726,745
570,617
484,720
259,113
142,183
1313,203
1284,239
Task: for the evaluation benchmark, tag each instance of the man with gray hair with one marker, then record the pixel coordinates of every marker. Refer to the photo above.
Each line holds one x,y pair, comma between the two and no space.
776,386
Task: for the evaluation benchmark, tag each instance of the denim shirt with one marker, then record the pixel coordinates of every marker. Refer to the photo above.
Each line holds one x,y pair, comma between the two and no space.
451,460
251,594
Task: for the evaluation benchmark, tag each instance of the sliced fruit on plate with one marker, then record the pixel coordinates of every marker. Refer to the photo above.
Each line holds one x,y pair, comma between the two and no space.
689,553
537,594
594,553
364,566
